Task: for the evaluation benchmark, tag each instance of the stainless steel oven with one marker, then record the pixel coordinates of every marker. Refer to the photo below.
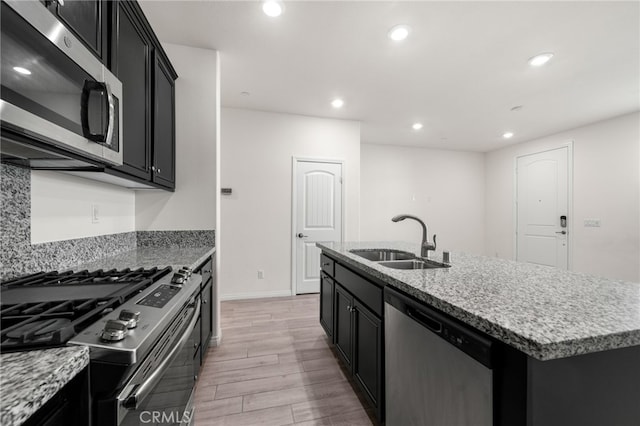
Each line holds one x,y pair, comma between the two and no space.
161,390
55,93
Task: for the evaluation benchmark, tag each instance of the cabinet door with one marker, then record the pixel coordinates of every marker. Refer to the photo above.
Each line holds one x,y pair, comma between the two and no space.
368,350
88,20
163,126
207,314
133,69
344,325
326,304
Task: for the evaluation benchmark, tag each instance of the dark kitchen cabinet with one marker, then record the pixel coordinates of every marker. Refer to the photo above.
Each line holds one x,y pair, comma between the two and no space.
355,304
89,21
368,350
164,125
206,269
147,77
207,313
132,65
344,325
326,304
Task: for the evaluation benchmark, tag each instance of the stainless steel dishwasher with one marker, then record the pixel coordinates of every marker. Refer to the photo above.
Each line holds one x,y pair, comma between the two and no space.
438,371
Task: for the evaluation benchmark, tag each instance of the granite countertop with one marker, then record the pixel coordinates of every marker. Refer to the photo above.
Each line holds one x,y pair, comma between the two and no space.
29,379
148,257
544,312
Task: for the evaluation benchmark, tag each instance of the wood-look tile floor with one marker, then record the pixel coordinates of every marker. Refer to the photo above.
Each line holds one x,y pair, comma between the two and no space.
275,367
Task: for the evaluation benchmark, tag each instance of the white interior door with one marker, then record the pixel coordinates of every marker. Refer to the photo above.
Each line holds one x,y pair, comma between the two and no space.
318,218
542,200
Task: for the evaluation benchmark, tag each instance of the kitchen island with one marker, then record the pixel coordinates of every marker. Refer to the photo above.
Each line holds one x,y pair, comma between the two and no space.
568,344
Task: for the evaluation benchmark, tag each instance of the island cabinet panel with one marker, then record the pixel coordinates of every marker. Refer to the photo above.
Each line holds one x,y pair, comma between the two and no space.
368,350
344,325
327,264
361,288
351,309
326,304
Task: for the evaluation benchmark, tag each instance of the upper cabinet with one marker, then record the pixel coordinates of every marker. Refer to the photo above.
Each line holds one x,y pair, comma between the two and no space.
89,20
147,77
164,152
131,62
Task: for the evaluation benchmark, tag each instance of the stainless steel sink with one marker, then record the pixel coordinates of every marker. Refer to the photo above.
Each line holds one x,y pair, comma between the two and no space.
414,264
379,255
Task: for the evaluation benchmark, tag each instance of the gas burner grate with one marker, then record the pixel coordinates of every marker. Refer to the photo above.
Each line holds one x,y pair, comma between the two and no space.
37,310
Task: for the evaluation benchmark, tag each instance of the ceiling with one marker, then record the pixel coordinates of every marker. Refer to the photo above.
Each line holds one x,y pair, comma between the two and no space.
460,71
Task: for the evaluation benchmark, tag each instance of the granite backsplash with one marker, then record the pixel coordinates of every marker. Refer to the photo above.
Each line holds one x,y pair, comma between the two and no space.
18,256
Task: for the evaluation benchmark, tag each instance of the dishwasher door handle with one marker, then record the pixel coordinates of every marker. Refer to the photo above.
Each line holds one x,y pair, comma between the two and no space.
424,319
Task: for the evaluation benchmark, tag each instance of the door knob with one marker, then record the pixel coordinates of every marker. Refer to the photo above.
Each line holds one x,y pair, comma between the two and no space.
301,235
561,232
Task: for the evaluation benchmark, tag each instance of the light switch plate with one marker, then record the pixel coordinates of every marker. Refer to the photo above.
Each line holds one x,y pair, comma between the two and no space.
95,213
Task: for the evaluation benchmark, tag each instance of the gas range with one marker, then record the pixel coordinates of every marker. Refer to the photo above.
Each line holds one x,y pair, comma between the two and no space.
47,309
139,324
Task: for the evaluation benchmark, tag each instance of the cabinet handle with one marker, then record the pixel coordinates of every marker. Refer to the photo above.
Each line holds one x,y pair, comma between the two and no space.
204,302
153,168
158,170
348,308
195,345
195,378
326,264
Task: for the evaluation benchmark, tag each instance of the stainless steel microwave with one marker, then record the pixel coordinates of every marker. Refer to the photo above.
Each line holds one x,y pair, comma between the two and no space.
57,97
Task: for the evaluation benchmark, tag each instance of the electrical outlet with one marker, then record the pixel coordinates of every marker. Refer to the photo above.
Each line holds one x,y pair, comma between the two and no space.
260,274
592,223
95,213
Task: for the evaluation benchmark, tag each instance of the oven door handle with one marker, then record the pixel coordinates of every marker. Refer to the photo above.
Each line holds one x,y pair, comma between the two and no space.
143,390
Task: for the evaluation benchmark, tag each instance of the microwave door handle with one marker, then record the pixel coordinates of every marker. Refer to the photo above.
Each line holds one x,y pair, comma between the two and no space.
111,116
89,87
139,394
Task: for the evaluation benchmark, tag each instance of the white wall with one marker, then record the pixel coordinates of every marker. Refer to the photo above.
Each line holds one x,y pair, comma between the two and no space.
256,162
61,207
443,188
193,204
606,186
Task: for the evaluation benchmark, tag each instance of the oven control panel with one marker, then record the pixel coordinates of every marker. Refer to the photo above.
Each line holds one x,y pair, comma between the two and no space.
160,296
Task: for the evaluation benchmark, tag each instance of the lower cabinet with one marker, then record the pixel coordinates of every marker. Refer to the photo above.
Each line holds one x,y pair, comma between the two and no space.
368,349
326,304
357,332
343,338
206,304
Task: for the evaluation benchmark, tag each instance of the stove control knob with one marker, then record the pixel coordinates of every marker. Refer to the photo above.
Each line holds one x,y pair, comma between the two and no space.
129,317
178,278
114,331
186,271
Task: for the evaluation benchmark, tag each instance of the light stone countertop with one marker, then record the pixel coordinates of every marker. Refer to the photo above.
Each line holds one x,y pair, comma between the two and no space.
544,312
29,379
148,257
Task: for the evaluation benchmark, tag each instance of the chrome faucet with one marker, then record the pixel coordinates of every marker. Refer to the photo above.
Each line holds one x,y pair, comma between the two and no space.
425,245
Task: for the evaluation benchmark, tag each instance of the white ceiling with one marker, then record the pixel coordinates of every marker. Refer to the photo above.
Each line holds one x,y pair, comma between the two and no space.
462,69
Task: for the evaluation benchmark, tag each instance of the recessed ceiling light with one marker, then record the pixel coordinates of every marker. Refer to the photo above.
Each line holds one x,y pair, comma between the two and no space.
417,126
22,70
507,135
272,8
337,103
399,32
540,60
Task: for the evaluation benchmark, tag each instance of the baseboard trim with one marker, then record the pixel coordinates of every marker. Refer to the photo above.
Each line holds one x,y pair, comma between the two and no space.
216,340
255,295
